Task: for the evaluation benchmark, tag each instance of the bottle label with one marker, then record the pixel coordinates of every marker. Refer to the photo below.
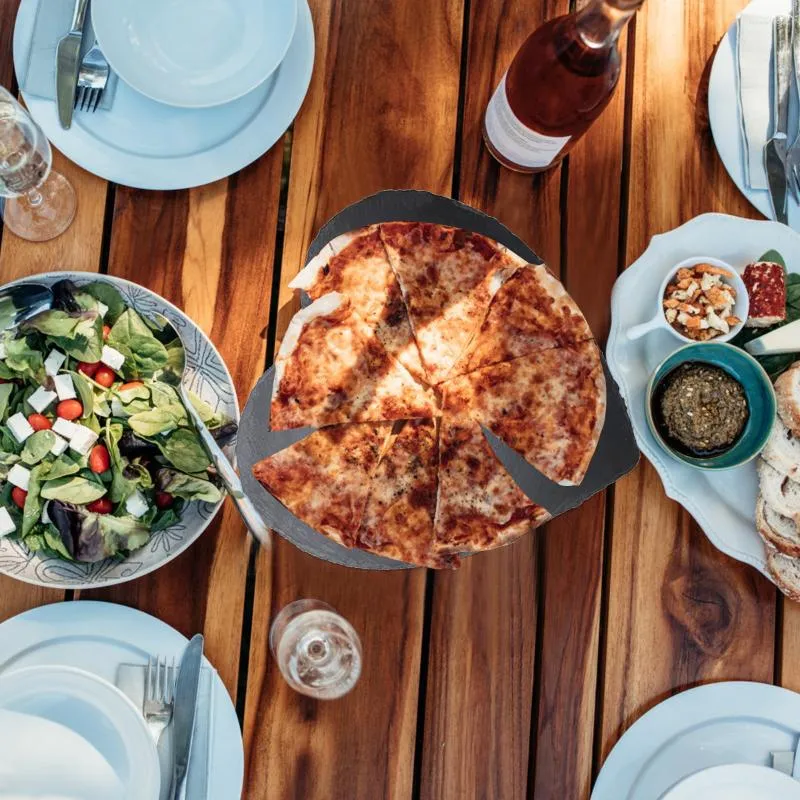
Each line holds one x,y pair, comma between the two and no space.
516,141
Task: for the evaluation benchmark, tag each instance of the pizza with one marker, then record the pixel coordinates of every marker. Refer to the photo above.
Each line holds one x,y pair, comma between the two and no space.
447,277
549,406
531,311
332,369
398,519
479,504
356,265
324,479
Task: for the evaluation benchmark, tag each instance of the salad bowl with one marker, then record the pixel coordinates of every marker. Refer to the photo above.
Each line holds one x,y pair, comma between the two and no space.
209,380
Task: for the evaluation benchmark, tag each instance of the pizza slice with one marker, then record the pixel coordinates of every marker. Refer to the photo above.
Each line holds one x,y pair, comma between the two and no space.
324,479
549,406
398,519
332,369
355,264
447,277
479,504
530,312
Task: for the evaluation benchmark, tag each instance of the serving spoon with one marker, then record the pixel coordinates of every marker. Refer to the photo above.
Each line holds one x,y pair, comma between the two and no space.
23,302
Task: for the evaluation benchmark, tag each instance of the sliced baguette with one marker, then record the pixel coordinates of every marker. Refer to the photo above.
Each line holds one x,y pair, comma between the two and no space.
776,530
782,494
787,393
785,572
782,451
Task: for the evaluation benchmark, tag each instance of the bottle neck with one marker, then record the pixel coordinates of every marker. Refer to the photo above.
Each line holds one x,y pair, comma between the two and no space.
602,21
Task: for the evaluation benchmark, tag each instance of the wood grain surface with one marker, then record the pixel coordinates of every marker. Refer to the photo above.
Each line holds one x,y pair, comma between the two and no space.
513,677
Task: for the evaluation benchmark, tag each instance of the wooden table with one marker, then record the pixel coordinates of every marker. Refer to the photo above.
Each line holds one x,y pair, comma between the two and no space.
514,676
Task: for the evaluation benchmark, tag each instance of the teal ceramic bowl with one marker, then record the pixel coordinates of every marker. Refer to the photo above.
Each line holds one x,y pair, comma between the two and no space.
760,399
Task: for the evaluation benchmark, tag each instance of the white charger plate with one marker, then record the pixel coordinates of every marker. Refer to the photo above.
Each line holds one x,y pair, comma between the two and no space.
723,114
723,503
736,782
148,145
94,709
98,637
720,723
194,53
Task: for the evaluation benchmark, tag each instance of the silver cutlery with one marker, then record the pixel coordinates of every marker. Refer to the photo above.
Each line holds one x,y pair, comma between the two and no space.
185,707
20,303
776,148
92,79
157,703
67,64
793,154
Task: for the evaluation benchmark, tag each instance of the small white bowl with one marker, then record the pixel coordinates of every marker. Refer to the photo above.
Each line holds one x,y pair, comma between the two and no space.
659,321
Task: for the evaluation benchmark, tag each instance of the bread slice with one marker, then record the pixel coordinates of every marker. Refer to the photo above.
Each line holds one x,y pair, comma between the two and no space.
777,531
785,572
782,494
782,451
787,393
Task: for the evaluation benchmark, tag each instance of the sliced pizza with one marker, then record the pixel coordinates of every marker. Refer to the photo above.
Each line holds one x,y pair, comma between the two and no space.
398,519
530,312
549,406
479,504
355,264
332,369
447,277
324,479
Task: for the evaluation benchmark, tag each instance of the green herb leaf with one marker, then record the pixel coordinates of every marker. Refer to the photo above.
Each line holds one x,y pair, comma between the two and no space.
37,446
73,489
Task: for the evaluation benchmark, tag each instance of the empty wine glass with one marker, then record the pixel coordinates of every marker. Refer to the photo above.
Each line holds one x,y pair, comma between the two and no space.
38,204
317,650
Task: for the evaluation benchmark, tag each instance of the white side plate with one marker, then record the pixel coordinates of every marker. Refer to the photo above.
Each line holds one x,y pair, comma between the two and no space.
736,782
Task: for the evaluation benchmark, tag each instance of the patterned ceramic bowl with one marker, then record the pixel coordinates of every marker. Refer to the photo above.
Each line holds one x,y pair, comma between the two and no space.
208,378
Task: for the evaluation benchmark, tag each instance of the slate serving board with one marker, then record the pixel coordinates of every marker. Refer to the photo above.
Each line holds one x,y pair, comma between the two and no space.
616,452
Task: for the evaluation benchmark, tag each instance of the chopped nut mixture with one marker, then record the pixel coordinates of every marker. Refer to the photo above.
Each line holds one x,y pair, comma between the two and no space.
698,302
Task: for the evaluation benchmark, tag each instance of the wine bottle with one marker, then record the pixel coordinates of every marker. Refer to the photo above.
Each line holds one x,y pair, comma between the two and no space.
558,84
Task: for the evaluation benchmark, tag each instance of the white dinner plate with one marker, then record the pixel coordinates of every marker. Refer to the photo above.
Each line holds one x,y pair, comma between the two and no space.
736,782
98,637
194,53
712,725
723,114
73,768
94,709
723,502
148,145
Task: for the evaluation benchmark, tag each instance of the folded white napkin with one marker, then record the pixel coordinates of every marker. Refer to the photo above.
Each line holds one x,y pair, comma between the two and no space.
754,74
130,680
53,18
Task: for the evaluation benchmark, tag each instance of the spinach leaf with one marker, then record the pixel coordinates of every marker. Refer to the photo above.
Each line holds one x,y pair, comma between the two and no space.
32,513
210,417
78,334
162,394
167,517
127,396
37,446
6,390
187,487
158,420
24,359
144,354
126,477
73,489
107,294
7,460
184,451
35,542
122,533
63,466
85,390
775,257
55,543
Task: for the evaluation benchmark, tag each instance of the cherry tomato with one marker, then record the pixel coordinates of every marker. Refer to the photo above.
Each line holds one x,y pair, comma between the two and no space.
39,422
130,385
105,376
101,506
106,331
99,459
18,496
88,369
164,499
69,409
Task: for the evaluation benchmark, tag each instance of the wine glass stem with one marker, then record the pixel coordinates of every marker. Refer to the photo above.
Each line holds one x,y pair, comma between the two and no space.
34,197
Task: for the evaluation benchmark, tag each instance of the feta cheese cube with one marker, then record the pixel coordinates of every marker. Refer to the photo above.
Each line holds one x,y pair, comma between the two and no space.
19,476
112,358
54,362
19,426
65,388
136,505
45,515
59,446
102,308
82,440
65,428
41,399
6,523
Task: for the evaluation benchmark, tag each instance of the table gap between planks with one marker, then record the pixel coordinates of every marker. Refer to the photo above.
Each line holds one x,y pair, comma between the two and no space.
513,677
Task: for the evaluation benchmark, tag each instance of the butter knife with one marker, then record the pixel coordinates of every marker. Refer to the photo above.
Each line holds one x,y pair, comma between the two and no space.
68,52
184,708
775,149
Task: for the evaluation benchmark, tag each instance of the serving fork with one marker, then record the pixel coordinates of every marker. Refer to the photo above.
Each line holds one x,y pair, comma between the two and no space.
158,701
92,80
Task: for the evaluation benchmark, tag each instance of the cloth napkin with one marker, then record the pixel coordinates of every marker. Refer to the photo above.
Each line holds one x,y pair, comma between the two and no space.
754,74
53,18
130,680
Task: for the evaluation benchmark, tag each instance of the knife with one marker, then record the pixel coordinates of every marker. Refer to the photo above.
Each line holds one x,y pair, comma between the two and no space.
184,708
68,61
775,149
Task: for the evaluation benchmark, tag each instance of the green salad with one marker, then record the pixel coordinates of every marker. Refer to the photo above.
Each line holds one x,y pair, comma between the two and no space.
97,451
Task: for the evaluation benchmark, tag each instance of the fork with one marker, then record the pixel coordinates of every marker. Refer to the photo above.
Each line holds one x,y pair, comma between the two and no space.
159,684
792,162
92,79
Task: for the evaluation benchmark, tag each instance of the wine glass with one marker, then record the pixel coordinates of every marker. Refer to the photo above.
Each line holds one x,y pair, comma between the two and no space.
317,650
38,204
